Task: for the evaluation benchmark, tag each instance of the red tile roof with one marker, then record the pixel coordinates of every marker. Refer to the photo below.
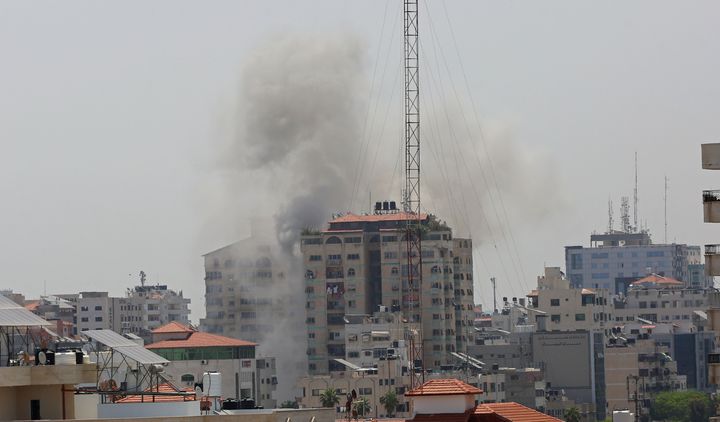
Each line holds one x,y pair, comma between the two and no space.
657,279
162,388
444,387
515,412
32,305
199,339
173,327
371,218
444,417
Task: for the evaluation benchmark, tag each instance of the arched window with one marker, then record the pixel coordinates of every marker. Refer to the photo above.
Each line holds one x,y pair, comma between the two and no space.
351,272
394,270
333,240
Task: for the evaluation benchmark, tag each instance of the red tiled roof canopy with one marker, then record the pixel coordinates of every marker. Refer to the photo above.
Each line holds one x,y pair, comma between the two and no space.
514,412
173,327
657,279
444,387
369,218
199,339
162,388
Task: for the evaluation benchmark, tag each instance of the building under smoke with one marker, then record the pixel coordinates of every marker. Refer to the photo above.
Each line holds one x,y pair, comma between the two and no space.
358,265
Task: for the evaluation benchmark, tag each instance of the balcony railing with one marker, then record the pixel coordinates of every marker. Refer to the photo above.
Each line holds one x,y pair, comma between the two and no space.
712,249
711,195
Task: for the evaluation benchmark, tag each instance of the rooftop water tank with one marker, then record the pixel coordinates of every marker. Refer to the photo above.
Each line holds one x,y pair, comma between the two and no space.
212,384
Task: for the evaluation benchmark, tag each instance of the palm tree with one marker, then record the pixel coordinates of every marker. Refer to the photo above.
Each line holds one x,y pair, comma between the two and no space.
389,401
572,415
362,406
329,398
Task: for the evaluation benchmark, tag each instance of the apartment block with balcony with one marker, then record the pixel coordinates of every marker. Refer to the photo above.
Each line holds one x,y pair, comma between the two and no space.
359,263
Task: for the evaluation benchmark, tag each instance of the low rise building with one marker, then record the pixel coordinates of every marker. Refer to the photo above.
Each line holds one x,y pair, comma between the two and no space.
192,353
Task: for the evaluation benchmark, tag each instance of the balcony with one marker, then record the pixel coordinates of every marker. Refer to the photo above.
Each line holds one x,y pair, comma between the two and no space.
712,260
711,156
711,206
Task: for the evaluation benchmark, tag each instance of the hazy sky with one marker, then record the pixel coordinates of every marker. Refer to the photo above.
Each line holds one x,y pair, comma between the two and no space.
113,116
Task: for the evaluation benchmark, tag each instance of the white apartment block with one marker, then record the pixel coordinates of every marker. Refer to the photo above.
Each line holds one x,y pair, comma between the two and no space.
95,311
360,263
368,339
147,307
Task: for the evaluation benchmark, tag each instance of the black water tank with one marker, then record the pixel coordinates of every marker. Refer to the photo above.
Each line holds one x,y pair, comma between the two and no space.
230,404
78,357
247,403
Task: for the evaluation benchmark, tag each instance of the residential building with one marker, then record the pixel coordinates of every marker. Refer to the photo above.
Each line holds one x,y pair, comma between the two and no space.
614,260
370,339
661,299
503,349
147,307
359,263
192,353
637,368
18,298
96,311
567,308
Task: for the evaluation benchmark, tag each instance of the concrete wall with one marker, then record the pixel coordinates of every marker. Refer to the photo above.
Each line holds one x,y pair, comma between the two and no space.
442,404
276,415
138,410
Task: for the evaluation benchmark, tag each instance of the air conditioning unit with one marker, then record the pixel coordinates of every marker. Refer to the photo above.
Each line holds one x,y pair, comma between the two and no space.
204,362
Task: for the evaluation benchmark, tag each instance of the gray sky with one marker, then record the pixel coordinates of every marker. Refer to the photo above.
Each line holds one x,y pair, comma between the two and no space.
113,115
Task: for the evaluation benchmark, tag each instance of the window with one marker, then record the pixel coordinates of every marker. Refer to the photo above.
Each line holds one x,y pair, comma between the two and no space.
353,256
365,391
334,257
555,318
315,257
83,308
390,255
554,302
579,317
353,239
333,240
98,319
98,308
84,319
351,272
600,276
642,305
600,255
389,238
394,270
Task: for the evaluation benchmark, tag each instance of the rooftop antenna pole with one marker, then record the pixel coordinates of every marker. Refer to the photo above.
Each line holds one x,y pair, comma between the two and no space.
610,216
492,280
666,189
635,196
412,189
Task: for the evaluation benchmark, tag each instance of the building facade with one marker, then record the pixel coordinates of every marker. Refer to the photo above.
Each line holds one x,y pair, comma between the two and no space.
614,260
360,263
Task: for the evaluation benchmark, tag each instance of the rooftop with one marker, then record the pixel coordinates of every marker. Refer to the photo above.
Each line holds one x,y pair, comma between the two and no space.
515,412
372,218
654,280
444,387
165,389
193,338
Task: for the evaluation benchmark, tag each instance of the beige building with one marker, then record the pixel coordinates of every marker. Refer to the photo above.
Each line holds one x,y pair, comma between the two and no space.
638,369
358,264
569,309
368,339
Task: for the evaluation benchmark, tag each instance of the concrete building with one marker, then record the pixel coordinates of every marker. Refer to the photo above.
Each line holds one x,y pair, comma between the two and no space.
147,307
358,264
95,311
566,308
636,369
191,353
660,299
370,339
583,351
614,260
502,349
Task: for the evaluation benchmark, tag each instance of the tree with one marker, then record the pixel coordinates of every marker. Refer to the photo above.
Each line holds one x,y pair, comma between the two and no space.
682,406
362,406
329,398
572,415
289,404
389,401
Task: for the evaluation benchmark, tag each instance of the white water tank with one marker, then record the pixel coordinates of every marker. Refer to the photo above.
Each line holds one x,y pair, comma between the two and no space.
212,384
623,416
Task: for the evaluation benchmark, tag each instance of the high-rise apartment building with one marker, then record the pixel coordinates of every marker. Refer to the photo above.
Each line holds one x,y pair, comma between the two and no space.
615,260
147,307
359,263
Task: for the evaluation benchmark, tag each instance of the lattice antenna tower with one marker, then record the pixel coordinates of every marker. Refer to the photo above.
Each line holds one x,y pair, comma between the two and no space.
611,223
625,215
635,197
411,202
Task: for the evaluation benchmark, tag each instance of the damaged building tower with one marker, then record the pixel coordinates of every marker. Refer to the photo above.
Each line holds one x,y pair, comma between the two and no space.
358,265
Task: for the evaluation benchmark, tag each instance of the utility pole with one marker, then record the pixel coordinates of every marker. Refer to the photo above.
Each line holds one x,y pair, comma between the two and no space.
411,202
666,188
635,197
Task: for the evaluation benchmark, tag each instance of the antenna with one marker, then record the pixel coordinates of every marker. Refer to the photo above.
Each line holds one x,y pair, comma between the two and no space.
492,280
411,200
610,216
666,224
635,197
625,214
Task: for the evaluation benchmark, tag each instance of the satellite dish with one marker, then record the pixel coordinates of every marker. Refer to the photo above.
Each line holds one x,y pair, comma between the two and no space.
42,358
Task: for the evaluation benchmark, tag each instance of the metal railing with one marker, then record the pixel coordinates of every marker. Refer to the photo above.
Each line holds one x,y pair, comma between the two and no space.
711,195
712,249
